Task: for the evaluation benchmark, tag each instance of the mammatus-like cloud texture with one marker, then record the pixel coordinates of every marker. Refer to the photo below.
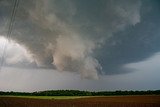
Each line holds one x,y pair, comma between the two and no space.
64,34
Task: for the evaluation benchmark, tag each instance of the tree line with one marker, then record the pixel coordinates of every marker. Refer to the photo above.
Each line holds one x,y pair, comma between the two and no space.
80,93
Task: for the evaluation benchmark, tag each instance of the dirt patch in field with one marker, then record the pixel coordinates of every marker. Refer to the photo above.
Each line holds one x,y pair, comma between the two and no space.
112,101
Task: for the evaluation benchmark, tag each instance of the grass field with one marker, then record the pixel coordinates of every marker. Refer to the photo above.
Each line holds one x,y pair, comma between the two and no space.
67,101
49,97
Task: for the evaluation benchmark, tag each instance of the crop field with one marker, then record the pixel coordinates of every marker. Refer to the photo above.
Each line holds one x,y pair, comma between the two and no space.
109,101
47,97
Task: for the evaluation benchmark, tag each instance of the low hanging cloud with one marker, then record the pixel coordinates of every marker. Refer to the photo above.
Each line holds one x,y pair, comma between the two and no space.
64,34
14,54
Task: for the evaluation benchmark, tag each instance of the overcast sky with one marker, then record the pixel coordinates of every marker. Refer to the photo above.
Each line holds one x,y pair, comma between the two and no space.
80,44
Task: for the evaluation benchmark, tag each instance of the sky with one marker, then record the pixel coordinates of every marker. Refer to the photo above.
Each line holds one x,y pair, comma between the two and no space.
93,45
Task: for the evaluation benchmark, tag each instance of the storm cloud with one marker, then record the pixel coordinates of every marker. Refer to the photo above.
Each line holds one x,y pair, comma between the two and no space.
88,37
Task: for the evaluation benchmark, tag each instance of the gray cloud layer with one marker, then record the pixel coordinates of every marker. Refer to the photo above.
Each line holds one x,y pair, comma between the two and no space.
77,35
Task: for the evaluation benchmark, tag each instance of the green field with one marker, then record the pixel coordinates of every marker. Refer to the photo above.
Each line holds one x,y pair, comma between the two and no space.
49,97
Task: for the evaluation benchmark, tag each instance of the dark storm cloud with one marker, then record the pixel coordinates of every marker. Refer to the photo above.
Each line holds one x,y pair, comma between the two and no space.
84,36
134,44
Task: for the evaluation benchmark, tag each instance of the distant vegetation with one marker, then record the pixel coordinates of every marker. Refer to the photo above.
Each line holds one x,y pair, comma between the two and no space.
80,93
